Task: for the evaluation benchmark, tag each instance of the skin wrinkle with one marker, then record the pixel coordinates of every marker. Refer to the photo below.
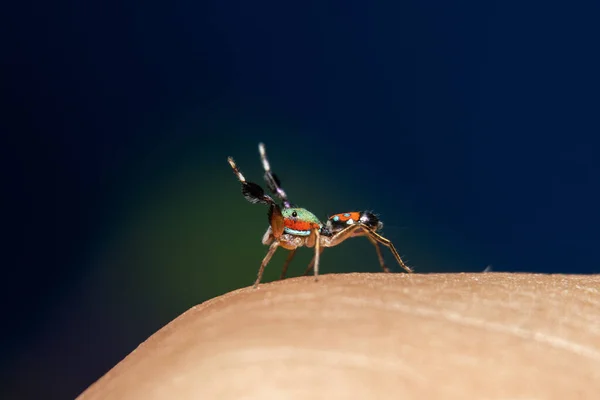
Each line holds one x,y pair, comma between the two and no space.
329,358
456,317
496,304
517,305
530,309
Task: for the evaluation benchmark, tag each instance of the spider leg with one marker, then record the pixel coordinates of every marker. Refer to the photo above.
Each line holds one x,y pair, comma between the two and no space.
317,252
271,179
286,264
386,242
265,261
330,241
311,264
377,249
379,255
350,231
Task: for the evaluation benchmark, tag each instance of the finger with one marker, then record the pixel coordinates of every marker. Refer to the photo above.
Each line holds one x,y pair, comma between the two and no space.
415,336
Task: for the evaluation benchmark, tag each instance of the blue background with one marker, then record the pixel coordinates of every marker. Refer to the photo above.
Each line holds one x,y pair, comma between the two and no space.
470,127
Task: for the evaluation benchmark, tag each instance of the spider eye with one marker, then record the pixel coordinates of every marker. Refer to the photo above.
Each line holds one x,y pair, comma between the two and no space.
294,214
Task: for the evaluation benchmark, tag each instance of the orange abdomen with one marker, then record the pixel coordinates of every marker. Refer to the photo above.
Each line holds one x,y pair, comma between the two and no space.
343,217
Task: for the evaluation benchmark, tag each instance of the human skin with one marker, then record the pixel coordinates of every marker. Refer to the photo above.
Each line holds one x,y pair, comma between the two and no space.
368,336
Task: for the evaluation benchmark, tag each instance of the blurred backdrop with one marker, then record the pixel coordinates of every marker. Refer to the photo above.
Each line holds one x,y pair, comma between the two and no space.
470,127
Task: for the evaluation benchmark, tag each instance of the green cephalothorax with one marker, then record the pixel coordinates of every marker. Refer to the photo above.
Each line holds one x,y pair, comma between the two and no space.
299,221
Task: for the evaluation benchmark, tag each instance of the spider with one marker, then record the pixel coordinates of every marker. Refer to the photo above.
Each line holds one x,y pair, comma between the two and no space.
292,227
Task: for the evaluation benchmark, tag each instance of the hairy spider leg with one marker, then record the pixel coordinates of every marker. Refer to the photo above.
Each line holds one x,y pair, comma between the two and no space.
350,231
255,194
317,252
265,261
312,263
287,262
251,191
377,249
271,179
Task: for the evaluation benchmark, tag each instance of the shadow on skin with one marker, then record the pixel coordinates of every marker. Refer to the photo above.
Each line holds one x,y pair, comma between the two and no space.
464,336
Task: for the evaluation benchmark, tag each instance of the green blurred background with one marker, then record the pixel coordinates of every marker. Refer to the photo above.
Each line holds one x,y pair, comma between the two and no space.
470,128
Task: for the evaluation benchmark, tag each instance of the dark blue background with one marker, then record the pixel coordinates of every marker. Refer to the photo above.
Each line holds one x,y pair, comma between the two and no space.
470,126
